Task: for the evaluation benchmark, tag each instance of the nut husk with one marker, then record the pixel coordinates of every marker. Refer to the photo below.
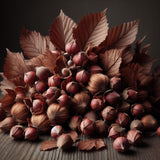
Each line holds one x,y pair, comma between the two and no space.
80,102
7,124
98,83
41,122
137,124
101,127
20,112
57,114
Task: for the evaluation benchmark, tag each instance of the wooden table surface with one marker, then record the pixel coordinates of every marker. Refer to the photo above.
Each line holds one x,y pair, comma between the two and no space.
25,150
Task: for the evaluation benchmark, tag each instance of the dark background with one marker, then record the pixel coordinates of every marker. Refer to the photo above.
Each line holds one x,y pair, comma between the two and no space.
39,15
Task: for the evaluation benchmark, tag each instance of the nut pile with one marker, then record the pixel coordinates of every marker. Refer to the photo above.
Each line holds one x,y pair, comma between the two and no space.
82,78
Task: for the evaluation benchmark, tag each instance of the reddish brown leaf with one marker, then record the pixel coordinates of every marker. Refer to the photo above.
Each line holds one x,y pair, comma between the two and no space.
121,36
48,145
130,74
6,84
141,56
74,135
61,31
111,61
127,57
33,43
91,30
15,67
49,60
91,144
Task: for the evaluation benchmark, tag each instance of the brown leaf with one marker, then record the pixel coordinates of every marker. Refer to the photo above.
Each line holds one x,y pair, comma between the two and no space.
91,144
33,43
15,67
141,56
111,61
74,135
91,30
6,84
130,74
49,60
121,36
127,57
48,145
61,31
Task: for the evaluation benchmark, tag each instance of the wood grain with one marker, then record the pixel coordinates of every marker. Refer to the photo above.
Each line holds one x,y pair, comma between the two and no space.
25,150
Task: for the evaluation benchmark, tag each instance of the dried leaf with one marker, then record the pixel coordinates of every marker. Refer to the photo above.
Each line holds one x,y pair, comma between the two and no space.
15,67
91,30
127,57
33,43
48,145
61,31
141,56
121,36
130,74
74,135
111,61
49,60
91,144
6,84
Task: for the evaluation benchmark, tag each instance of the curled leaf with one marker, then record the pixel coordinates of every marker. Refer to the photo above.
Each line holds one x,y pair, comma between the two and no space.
91,30
6,84
15,67
48,145
61,31
91,144
121,36
111,61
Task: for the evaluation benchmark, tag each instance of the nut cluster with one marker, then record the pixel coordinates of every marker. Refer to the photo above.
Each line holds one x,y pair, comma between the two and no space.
81,93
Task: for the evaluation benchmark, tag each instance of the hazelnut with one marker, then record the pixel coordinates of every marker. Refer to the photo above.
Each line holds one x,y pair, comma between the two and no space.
80,102
149,122
137,110
158,131
42,73
121,144
134,137
72,87
20,112
56,131
101,127
31,134
54,81
95,69
80,59
38,106
87,127
30,77
82,76
112,97
63,100
96,104
93,57
98,83
17,132
75,122
123,119
137,124
52,93
148,107
70,62
41,122
109,113
91,115
40,86
115,83
130,95
2,114
64,142
57,114
116,131
72,48
66,72
7,124
20,96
